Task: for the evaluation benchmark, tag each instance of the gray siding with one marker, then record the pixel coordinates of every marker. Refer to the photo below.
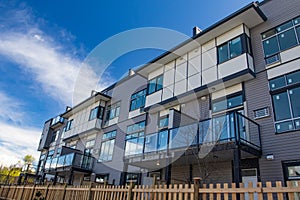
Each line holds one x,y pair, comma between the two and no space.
283,146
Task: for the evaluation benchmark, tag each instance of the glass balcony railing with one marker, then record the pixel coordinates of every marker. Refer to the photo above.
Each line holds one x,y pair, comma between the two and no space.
77,160
232,127
57,120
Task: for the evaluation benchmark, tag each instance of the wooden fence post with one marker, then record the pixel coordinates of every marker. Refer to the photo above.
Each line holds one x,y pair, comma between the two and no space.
129,197
7,191
47,189
21,197
33,189
64,192
196,187
90,191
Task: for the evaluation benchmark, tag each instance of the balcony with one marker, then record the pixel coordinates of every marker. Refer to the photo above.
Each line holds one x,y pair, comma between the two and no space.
223,132
73,160
84,127
57,121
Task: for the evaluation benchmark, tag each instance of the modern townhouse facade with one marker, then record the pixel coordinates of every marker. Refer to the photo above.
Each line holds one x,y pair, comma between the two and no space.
223,106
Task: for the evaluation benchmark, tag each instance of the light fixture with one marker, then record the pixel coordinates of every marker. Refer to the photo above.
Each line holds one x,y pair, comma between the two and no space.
157,163
270,157
203,98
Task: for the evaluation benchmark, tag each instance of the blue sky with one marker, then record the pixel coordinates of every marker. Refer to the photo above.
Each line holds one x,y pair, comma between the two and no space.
43,43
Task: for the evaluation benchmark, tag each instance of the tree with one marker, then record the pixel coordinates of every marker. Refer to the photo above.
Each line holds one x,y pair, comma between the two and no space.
28,159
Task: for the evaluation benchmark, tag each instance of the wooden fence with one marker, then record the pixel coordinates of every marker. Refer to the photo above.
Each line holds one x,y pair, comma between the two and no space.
260,191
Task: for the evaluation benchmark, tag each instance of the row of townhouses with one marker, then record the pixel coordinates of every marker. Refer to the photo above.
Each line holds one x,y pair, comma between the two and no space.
223,105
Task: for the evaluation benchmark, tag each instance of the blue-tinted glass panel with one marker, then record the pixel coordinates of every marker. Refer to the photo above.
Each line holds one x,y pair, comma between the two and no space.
297,124
295,101
163,140
293,78
159,83
164,122
151,143
287,39
235,101
235,47
284,26
284,126
281,106
277,83
297,21
152,86
219,106
221,130
270,46
223,53
298,32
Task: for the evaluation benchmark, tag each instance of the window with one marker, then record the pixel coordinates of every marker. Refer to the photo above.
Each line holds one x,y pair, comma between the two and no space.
280,38
163,122
138,100
113,111
102,178
69,125
285,92
96,112
234,48
50,153
54,136
227,103
107,146
90,144
155,84
135,139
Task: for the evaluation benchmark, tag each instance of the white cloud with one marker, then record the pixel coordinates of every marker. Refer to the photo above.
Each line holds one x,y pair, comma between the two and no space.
53,64
9,109
16,142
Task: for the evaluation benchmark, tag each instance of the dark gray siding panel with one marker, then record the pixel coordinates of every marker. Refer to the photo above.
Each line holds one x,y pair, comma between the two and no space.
284,146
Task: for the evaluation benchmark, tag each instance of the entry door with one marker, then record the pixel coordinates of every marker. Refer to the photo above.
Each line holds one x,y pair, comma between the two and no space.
249,175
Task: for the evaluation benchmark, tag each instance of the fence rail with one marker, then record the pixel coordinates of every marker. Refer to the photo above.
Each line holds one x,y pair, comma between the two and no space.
195,191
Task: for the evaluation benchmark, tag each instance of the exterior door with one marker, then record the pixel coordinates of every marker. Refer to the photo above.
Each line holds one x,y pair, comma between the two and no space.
249,175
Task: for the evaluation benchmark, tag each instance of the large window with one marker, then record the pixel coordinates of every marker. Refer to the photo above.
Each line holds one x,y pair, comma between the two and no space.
107,146
155,84
233,48
135,139
280,38
285,92
96,112
138,100
113,111
229,102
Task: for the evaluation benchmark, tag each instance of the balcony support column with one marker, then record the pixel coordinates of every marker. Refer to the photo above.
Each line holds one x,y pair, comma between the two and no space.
237,173
168,172
70,179
55,178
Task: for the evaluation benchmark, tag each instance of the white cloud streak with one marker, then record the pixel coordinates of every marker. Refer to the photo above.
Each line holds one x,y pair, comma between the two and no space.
16,142
53,68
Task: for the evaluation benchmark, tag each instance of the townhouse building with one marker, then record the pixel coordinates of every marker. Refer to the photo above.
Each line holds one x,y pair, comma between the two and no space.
223,105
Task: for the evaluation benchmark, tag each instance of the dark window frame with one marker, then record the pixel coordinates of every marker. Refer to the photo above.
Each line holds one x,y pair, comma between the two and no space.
138,98
293,120
69,125
274,32
157,86
245,43
105,140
